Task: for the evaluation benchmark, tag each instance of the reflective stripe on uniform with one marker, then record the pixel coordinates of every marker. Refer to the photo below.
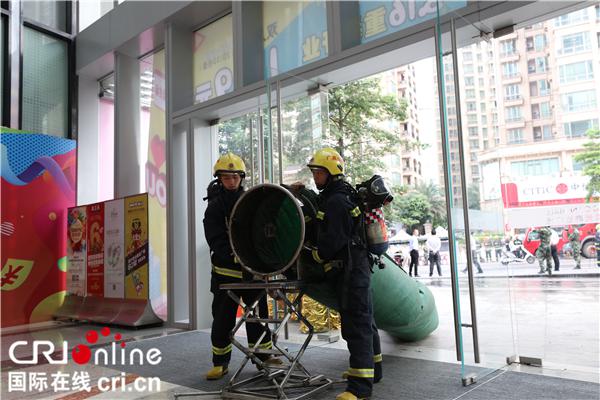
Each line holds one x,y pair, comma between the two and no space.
377,358
320,215
355,212
227,272
307,218
266,345
221,350
315,254
361,372
327,267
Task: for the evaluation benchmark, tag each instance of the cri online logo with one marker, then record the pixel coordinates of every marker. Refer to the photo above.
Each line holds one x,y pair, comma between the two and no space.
82,354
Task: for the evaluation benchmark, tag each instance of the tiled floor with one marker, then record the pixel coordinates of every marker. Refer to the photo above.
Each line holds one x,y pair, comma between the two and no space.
555,319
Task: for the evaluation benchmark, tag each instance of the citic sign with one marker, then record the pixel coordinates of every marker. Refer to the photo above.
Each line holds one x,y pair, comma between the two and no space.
571,188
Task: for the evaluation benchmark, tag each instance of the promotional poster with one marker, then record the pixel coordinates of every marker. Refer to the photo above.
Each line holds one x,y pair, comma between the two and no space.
114,252
136,247
156,186
95,251
77,251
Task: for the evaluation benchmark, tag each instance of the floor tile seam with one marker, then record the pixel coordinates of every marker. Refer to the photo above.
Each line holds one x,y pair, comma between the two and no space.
480,385
40,329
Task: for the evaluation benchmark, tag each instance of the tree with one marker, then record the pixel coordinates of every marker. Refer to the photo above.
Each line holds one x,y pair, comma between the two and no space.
437,200
590,159
364,125
473,197
415,210
393,211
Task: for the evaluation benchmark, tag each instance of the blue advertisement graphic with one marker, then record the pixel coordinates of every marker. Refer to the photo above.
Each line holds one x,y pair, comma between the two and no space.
302,41
380,18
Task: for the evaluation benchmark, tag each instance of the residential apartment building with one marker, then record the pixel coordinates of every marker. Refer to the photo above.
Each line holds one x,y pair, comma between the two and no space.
477,78
527,100
404,167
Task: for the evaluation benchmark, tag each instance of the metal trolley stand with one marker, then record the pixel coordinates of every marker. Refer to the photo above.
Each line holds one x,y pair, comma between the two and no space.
288,381
291,380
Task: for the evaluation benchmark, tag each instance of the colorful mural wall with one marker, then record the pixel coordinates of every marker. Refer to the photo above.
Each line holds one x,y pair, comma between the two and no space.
38,185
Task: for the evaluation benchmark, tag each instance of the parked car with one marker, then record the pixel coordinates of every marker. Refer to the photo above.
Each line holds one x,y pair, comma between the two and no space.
531,239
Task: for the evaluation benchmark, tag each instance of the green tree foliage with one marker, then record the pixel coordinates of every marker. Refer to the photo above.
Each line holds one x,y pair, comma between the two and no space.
434,194
364,126
473,197
392,210
415,210
590,159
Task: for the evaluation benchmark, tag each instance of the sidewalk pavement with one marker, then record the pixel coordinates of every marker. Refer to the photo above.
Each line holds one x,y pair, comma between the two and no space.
520,270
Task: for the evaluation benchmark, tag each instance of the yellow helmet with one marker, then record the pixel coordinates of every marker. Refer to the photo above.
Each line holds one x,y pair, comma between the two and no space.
230,163
329,159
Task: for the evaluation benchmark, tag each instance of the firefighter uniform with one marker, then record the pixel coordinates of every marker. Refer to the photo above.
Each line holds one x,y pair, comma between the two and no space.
574,238
544,253
225,269
348,271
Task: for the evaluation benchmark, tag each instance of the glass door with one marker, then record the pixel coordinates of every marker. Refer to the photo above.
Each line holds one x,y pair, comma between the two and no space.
481,286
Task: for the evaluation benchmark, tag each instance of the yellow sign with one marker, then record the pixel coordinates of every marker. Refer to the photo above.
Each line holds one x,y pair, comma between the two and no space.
136,245
213,59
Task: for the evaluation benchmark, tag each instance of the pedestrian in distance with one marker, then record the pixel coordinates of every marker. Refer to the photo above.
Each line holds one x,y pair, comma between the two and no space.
597,245
487,245
498,245
434,244
544,252
474,256
554,239
413,246
574,241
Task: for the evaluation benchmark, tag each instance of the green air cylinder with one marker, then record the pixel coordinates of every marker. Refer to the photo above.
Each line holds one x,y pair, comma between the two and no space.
403,307
267,231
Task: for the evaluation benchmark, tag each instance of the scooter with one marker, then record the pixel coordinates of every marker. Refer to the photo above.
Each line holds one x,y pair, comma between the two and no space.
518,254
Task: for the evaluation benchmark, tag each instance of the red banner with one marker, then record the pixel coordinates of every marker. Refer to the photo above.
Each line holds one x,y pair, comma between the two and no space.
95,253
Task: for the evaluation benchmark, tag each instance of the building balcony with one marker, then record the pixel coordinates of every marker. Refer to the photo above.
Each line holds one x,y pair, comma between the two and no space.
513,78
515,123
512,56
514,100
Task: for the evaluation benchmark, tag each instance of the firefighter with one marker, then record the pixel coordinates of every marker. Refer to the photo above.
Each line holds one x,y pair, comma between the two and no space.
544,253
574,240
223,193
341,248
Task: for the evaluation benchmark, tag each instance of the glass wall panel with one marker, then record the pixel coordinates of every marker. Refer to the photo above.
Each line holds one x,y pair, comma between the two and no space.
535,183
213,60
154,162
91,10
45,84
305,126
294,34
50,13
239,135
180,269
106,140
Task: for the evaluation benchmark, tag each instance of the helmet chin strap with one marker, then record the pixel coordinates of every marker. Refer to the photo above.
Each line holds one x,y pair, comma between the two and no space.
330,178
